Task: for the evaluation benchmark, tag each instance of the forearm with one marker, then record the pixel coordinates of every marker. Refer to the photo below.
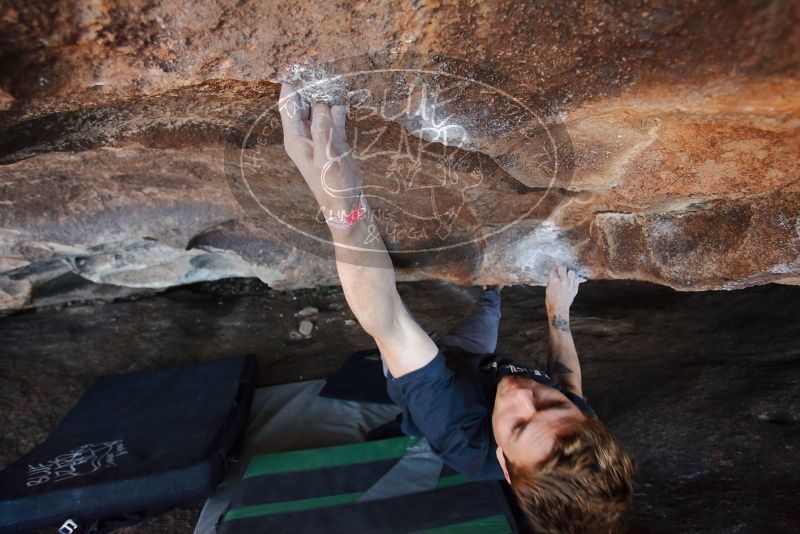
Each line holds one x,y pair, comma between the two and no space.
562,357
368,281
367,277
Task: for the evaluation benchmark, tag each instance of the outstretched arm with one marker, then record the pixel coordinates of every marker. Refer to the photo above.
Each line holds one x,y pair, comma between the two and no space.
315,139
562,358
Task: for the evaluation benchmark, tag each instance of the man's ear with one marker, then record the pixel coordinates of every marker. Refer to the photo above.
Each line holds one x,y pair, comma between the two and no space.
502,459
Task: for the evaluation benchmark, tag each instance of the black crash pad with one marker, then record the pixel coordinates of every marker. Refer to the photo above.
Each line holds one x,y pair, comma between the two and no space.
134,445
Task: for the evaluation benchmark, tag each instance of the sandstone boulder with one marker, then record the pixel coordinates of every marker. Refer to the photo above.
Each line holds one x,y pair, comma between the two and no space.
140,145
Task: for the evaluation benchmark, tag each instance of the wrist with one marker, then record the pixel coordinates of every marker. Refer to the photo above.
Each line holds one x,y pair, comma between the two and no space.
330,206
561,311
558,321
342,216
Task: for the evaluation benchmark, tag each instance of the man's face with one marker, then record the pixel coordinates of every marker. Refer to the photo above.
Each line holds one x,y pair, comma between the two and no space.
527,418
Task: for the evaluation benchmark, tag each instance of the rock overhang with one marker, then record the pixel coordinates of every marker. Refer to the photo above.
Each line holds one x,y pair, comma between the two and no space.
677,131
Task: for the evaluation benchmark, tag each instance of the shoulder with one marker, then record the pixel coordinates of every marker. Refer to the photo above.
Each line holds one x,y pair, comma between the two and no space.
434,371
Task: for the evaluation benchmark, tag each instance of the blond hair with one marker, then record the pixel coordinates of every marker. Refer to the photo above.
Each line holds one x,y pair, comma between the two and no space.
584,485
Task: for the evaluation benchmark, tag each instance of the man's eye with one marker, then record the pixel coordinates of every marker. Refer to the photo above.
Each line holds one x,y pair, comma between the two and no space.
556,404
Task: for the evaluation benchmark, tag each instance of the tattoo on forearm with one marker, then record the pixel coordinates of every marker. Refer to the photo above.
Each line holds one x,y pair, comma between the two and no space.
559,368
560,323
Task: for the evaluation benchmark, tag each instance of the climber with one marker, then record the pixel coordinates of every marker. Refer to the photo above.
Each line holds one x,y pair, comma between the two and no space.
531,428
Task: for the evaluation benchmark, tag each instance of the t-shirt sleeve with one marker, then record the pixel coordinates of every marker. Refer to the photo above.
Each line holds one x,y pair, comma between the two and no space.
452,413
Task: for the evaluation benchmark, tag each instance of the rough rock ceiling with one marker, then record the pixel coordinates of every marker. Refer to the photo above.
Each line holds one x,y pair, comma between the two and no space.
658,141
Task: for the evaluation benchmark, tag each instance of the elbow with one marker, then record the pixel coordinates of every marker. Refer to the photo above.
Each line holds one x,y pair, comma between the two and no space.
372,326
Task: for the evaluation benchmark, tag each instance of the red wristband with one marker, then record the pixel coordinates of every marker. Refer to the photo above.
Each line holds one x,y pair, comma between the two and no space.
349,220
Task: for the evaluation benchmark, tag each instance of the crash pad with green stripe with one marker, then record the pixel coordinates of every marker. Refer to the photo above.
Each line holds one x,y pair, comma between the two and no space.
307,460
321,490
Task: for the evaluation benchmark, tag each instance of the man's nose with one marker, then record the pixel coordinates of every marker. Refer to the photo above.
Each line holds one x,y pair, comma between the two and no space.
524,398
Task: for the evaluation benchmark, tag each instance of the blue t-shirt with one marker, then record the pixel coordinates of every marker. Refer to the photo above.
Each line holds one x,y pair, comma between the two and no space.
453,410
